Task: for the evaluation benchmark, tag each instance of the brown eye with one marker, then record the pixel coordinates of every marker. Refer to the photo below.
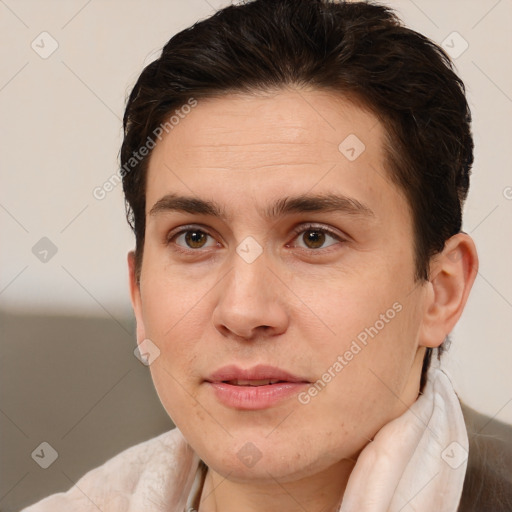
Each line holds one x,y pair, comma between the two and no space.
313,238
195,239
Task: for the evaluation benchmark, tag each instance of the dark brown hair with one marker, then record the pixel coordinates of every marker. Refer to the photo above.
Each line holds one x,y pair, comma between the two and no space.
357,49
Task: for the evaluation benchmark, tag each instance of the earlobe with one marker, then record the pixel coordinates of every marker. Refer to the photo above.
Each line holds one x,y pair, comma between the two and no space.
135,296
453,272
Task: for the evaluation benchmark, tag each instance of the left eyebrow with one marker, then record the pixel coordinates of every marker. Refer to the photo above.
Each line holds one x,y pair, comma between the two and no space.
284,206
319,203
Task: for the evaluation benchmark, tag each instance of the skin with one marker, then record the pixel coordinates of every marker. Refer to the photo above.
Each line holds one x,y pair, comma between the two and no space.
294,307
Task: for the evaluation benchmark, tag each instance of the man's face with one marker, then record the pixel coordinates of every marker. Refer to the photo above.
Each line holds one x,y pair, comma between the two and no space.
325,294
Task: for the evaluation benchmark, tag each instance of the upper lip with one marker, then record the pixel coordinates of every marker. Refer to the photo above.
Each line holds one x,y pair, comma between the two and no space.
259,372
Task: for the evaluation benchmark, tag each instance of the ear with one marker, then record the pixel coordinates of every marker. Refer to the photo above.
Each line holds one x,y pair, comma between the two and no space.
452,274
135,297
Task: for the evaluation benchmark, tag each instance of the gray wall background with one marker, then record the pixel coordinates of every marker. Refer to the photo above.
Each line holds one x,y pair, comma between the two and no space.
68,373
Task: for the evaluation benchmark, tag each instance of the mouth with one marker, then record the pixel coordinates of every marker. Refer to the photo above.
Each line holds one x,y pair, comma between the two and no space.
245,382
260,375
259,387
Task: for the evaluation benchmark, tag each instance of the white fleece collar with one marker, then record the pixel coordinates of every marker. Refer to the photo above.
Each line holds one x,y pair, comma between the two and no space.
417,462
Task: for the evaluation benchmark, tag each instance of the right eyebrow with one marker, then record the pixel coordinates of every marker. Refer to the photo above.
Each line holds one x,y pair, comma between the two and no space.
173,202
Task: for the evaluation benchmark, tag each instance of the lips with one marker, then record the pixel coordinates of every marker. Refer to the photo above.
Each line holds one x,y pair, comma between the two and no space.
260,387
245,382
256,376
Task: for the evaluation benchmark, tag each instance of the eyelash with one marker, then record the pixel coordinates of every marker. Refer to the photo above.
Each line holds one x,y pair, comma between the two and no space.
296,231
321,229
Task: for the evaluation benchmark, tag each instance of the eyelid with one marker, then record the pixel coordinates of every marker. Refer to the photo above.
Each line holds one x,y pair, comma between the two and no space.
319,227
169,237
187,227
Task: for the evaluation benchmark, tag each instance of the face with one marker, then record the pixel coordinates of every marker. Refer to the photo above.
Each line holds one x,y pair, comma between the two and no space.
277,248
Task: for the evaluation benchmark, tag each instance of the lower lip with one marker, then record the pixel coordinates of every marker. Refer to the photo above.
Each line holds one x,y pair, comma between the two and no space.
255,397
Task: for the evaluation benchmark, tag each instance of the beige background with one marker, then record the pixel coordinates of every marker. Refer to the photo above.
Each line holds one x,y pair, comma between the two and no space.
61,132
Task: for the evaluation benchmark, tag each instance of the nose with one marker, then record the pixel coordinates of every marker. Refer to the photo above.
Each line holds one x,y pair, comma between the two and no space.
251,302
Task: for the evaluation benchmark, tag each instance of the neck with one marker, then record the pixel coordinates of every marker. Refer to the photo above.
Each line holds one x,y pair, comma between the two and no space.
321,492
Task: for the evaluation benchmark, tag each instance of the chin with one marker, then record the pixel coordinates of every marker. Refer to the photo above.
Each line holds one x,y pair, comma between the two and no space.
241,460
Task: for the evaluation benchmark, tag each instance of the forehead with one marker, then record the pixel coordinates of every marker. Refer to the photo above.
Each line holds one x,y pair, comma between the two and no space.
260,125
267,146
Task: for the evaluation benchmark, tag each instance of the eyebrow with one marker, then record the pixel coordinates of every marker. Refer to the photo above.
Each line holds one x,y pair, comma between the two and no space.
281,207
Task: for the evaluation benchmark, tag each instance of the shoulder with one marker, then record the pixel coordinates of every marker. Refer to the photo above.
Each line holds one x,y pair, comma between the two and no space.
488,481
154,471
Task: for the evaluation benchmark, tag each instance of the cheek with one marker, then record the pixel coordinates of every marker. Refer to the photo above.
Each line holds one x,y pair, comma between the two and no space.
172,301
364,364
175,376
353,304
174,322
